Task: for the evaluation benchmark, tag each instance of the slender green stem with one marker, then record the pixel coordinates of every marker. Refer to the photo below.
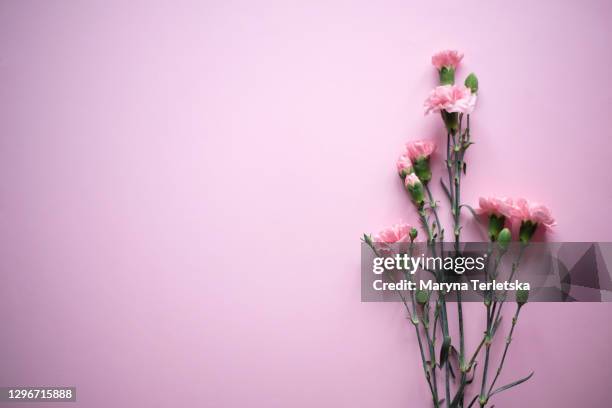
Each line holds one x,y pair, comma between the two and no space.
515,266
413,316
508,341
489,333
441,299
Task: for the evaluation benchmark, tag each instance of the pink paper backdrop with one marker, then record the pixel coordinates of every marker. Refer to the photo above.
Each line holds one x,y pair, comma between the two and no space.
183,186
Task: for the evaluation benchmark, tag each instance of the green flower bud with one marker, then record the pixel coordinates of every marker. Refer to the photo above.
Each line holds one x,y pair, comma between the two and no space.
472,82
522,296
503,238
422,170
447,75
496,224
422,296
528,228
413,234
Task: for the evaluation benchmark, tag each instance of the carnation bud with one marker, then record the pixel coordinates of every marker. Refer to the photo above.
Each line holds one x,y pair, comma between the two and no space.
447,75
404,172
528,228
472,82
521,297
404,166
422,170
422,296
413,234
415,188
496,224
503,238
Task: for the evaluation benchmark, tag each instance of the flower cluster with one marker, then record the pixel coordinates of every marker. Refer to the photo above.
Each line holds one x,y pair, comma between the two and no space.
529,215
413,167
454,103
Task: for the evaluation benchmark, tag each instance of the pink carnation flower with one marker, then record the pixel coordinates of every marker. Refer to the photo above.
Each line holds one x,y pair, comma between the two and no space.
524,210
419,149
447,58
495,206
412,180
395,233
451,98
404,165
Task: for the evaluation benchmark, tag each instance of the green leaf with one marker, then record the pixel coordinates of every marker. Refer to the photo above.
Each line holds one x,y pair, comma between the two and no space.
512,384
444,350
496,325
446,191
471,380
473,401
453,357
469,207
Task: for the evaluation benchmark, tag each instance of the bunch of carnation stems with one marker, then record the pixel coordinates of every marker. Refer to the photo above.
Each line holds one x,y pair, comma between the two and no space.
455,104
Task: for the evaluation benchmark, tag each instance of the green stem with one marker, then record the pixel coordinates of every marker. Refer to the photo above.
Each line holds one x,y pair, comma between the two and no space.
441,298
488,334
508,341
515,266
413,316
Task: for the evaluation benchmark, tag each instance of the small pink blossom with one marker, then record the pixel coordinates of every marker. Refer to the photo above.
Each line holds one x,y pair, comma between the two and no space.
412,180
447,58
451,98
524,210
395,233
404,165
495,206
419,149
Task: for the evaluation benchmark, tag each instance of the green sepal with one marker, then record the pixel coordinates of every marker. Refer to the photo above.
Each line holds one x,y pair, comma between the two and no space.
447,75
496,224
413,234
421,169
528,228
416,192
451,121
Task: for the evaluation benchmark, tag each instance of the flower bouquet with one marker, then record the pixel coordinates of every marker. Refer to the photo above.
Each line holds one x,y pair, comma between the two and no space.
448,367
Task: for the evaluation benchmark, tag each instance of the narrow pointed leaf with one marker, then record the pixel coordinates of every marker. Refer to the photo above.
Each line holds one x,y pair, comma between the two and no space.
471,380
444,350
496,324
512,384
446,190
469,207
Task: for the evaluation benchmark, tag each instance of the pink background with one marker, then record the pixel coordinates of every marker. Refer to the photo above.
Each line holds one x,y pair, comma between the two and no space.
183,186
